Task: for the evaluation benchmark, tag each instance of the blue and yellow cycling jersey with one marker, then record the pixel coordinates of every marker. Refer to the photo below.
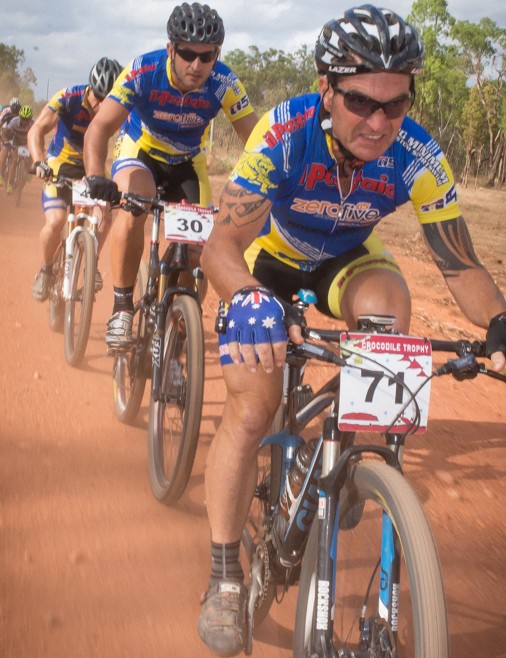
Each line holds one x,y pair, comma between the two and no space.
169,125
289,160
74,116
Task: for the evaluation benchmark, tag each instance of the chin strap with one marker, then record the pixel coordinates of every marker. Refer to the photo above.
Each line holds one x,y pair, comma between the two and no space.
347,160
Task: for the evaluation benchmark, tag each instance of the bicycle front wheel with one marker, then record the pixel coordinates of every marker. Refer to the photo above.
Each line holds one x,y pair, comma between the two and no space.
79,307
417,625
22,170
174,421
130,368
56,302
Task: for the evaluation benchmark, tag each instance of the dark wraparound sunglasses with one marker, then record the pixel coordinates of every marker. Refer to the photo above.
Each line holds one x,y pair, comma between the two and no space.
190,55
364,107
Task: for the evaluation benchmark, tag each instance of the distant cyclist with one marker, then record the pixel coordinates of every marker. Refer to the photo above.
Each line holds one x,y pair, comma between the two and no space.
317,175
13,134
10,111
165,101
70,111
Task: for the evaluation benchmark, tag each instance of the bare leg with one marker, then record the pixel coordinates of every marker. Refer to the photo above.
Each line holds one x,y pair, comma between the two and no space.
379,291
252,401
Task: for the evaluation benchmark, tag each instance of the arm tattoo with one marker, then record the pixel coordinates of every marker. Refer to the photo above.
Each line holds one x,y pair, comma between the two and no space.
241,207
451,246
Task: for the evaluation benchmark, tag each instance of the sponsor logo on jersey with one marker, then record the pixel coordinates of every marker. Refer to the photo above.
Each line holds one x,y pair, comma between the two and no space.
317,173
255,168
444,201
164,97
355,214
239,105
424,155
135,73
278,130
190,119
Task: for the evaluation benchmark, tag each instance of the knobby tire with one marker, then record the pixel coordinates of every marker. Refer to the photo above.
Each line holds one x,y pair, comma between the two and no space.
56,301
79,308
174,421
424,632
22,171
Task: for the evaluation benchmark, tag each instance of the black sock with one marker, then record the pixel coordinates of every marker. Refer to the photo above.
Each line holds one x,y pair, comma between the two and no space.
123,299
225,562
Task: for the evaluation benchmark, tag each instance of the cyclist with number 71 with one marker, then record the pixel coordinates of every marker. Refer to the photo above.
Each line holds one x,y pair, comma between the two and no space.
318,173
164,100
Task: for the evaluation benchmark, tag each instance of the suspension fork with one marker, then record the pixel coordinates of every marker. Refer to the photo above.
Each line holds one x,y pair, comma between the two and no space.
330,485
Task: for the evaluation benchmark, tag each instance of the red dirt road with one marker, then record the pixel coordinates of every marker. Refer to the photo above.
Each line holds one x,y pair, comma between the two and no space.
91,566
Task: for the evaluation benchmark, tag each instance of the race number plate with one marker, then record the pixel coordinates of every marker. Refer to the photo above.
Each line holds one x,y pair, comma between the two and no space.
80,197
187,223
383,372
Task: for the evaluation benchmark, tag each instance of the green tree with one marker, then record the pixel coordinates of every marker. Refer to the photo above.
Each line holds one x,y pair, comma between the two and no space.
13,80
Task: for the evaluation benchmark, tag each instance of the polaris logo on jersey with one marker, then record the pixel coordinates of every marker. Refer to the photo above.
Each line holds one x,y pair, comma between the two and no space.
275,134
164,97
318,173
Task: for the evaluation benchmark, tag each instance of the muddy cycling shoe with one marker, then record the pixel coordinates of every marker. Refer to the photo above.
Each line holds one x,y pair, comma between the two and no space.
99,283
118,335
42,286
222,621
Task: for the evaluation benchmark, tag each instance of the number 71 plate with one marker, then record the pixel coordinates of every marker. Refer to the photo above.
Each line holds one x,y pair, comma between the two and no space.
383,372
187,223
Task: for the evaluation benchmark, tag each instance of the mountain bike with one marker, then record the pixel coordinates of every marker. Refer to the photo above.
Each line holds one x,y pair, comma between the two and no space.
21,171
168,345
72,291
349,528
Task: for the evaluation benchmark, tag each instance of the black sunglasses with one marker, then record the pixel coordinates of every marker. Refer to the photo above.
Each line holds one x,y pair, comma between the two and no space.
190,55
363,106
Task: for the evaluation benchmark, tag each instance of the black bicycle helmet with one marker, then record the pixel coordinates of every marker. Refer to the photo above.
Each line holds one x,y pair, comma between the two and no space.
368,39
195,23
103,75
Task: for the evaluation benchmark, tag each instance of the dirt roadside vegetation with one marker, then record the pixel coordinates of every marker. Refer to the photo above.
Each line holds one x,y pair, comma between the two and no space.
91,566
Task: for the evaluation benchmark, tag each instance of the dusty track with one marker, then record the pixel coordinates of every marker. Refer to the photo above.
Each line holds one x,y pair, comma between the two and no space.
91,566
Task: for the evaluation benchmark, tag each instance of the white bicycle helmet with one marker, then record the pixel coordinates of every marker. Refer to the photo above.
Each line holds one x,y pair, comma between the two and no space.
103,75
368,39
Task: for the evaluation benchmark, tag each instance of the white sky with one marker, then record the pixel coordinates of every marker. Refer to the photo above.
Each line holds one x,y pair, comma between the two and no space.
62,40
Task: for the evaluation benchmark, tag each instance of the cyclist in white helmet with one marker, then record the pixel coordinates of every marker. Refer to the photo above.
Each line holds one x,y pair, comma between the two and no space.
70,111
318,173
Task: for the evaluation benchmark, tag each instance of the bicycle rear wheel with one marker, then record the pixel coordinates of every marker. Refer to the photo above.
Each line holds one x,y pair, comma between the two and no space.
174,421
56,302
130,368
256,535
79,307
418,627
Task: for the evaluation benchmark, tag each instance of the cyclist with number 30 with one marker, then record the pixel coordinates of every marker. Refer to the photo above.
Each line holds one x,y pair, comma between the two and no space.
318,173
164,101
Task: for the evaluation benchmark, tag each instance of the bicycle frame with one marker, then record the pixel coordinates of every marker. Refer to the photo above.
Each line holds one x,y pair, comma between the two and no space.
161,289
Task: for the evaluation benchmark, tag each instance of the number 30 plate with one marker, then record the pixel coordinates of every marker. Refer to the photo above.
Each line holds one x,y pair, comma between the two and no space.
377,386
187,223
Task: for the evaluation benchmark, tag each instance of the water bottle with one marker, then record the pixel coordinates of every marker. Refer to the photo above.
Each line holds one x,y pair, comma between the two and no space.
289,537
296,476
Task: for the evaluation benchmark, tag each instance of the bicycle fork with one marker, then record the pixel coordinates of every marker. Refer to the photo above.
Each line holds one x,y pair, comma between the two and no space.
334,473
70,244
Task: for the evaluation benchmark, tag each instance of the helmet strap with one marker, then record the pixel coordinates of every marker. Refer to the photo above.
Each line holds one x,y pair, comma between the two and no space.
347,161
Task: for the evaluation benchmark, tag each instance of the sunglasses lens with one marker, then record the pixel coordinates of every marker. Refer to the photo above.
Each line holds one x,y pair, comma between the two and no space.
190,55
363,106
